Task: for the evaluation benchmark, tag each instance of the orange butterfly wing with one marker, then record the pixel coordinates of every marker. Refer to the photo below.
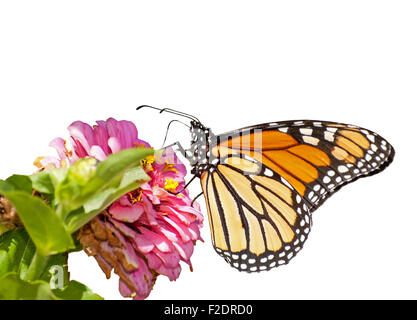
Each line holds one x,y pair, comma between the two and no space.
315,157
264,182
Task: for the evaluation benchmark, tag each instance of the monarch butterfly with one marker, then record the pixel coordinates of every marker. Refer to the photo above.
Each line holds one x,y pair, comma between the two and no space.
262,183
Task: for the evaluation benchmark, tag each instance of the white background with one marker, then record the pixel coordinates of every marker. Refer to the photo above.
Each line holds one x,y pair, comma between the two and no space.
232,64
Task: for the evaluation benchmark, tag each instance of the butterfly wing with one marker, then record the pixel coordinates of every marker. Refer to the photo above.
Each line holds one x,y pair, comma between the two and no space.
316,157
257,222
264,181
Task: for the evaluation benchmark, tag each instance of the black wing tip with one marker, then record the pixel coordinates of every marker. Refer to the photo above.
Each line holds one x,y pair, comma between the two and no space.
385,164
377,170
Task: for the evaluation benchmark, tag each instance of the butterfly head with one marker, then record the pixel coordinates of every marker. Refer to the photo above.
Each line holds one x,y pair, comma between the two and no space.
201,139
198,132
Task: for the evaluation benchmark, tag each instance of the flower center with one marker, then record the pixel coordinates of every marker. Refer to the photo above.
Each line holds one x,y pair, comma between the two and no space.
171,185
169,167
135,196
147,163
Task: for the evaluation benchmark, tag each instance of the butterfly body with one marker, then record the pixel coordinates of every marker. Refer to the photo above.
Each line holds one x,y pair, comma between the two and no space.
202,138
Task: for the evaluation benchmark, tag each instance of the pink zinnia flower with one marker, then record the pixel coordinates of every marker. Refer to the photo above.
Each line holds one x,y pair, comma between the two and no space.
148,231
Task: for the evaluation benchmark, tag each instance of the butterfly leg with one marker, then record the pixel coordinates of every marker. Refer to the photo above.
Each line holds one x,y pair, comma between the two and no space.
181,149
169,125
192,202
185,187
184,153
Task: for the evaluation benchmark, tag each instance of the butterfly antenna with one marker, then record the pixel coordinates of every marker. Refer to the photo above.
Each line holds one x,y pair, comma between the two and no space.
146,106
169,124
178,113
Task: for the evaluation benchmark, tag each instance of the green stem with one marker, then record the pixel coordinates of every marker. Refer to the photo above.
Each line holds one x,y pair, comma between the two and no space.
36,267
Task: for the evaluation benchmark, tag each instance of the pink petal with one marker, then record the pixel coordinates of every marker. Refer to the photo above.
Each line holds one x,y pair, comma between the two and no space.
182,231
98,153
182,217
130,133
102,136
126,214
123,228
124,289
168,232
171,273
59,145
124,201
158,240
112,127
184,249
194,230
150,213
142,280
143,244
79,149
154,261
169,259
82,133
115,145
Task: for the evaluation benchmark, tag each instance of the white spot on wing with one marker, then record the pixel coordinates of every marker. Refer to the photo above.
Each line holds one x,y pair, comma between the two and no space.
287,183
329,136
268,173
311,140
306,131
342,169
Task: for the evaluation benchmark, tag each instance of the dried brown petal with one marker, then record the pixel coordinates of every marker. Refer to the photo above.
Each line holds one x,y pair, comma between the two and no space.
105,243
8,215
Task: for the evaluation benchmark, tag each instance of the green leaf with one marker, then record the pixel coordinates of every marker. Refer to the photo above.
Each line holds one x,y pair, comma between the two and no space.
85,179
14,288
25,275
97,201
59,260
69,191
132,180
57,175
20,182
41,222
89,188
15,248
6,187
76,291
42,182
114,167
18,254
